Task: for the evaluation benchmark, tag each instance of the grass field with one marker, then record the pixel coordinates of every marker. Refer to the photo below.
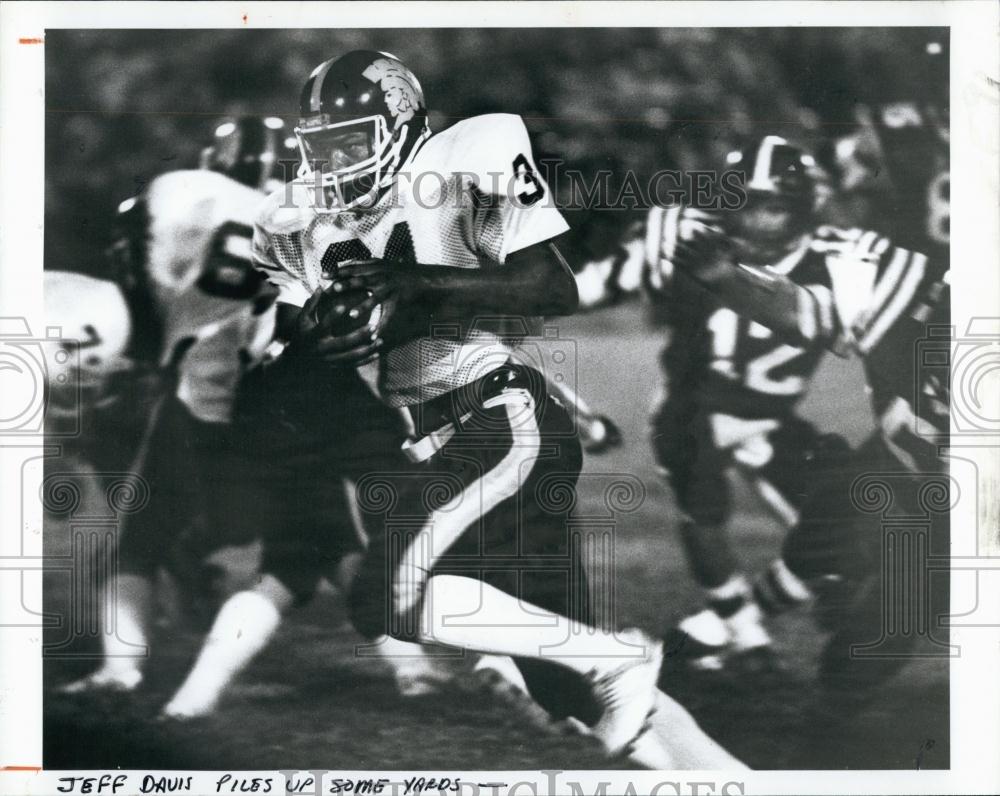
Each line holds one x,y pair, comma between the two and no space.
309,702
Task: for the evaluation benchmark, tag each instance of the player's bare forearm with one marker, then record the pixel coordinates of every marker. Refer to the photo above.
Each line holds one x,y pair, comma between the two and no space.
534,281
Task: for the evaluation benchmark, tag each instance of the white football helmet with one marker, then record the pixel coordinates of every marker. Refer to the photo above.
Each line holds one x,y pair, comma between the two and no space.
93,323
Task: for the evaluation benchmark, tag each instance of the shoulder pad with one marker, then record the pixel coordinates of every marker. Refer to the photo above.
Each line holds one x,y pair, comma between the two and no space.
484,147
198,198
288,209
855,242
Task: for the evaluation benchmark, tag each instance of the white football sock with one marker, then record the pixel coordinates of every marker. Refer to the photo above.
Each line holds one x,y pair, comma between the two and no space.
706,627
467,613
746,627
242,628
128,599
687,744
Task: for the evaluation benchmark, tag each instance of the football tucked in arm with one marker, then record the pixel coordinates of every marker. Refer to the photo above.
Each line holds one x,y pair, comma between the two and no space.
343,312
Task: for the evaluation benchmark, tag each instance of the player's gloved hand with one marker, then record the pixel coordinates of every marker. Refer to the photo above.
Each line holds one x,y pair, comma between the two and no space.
707,255
313,335
694,222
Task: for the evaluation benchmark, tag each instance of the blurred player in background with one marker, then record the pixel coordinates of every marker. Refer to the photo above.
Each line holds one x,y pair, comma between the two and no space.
365,262
887,302
732,386
199,314
893,175
894,169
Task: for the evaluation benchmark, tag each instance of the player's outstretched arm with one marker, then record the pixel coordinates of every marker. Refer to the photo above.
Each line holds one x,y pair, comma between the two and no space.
772,300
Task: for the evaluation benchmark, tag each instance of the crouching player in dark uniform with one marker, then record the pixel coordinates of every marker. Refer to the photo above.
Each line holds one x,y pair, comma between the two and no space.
429,275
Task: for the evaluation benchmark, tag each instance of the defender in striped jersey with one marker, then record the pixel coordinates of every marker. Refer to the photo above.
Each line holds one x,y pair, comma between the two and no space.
446,242
732,386
889,306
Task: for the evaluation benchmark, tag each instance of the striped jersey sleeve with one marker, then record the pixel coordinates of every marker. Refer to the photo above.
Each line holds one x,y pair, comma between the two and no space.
658,250
901,277
864,269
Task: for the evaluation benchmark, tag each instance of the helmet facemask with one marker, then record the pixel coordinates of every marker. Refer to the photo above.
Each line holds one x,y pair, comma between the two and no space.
769,226
352,161
784,192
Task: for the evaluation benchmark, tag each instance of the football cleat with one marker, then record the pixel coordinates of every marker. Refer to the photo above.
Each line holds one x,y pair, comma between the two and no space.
105,679
418,676
628,694
599,434
186,710
699,642
499,676
417,684
681,649
704,642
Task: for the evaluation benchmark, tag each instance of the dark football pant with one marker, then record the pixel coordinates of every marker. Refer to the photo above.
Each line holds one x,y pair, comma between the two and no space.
200,496
310,430
277,474
691,445
490,503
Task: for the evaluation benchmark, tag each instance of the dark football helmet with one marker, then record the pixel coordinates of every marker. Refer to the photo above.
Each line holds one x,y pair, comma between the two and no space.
784,189
362,116
249,149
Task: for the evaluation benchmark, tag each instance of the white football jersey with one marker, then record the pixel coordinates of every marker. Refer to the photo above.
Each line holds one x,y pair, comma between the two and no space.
470,197
200,228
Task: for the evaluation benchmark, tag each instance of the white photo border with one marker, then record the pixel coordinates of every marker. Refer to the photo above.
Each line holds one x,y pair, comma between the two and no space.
975,163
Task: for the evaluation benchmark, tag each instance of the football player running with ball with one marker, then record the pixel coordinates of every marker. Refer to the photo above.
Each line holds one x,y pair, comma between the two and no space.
420,253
